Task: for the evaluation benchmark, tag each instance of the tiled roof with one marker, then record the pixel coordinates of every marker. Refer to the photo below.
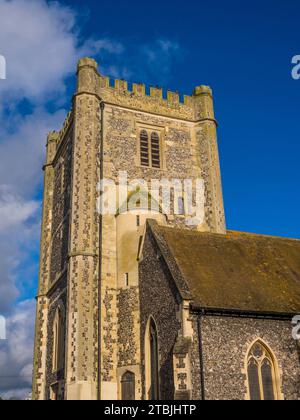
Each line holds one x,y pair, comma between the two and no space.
236,271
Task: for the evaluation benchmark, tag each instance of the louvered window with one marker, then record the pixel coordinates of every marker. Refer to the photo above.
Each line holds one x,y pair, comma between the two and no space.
150,149
261,374
155,150
144,148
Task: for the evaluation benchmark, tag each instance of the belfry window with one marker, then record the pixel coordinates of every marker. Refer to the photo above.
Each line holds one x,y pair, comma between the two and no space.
144,148
261,374
155,150
150,149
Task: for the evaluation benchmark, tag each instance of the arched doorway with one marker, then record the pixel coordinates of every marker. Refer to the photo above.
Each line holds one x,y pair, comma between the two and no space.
128,386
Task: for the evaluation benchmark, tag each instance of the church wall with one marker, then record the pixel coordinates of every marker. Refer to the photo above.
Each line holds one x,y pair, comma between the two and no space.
186,152
62,165
40,343
159,299
120,317
226,342
54,248
122,146
188,144
61,211
129,337
83,258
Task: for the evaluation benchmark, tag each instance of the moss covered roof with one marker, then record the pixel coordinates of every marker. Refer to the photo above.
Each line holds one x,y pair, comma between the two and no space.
237,271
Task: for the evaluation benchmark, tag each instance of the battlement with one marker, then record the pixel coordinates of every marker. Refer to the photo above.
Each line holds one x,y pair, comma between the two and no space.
140,89
55,138
66,124
138,97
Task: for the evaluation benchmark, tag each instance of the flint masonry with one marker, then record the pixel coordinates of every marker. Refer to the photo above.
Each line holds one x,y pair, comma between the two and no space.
140,305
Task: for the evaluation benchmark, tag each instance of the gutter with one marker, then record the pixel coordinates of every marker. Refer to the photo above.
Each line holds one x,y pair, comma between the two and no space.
237,313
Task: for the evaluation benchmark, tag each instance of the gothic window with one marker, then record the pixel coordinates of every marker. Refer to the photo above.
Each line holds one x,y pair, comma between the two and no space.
154,390
150,149
128,386
261,374
58,341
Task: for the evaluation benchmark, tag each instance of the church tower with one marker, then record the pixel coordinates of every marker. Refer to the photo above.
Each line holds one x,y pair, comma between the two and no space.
87,326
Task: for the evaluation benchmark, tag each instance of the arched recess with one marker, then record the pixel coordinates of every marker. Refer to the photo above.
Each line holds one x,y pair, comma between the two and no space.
128,386
58,338
140,201
263,378
152,365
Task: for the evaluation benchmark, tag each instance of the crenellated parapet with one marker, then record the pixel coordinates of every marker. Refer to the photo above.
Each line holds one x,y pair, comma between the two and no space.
65,128
137,97
66,124
56,138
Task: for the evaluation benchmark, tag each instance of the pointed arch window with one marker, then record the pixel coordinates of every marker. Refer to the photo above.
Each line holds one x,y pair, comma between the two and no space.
152,375
58,341
154,391
262,377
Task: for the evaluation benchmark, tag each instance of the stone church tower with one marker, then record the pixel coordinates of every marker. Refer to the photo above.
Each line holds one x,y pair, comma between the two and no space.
88,306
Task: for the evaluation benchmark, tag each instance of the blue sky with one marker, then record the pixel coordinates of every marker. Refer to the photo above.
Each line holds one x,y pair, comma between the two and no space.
243,50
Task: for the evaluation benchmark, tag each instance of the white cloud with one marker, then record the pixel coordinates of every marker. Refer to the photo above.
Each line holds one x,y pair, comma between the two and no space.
41,45
17,351
18,236
22,151
13,209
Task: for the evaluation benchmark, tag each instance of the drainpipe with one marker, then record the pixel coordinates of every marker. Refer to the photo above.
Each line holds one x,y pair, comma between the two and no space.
201,358
101,171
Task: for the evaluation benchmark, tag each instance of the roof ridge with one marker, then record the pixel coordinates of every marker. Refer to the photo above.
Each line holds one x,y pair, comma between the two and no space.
241,233
228,233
